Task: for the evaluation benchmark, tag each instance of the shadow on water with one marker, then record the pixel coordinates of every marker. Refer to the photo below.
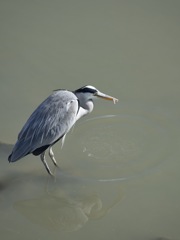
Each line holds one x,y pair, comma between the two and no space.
64,203
63,209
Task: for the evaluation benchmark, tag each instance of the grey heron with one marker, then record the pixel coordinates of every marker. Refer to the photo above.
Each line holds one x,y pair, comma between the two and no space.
52,120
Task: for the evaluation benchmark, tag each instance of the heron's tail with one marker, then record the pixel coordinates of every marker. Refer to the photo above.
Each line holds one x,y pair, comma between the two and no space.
12,158
19,151
9,158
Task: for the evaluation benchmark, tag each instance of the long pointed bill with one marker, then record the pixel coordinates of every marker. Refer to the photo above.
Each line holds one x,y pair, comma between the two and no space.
106,97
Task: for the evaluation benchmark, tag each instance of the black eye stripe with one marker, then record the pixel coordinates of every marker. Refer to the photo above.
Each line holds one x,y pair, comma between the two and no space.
86,90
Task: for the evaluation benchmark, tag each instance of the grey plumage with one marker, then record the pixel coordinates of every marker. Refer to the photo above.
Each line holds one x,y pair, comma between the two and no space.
52,120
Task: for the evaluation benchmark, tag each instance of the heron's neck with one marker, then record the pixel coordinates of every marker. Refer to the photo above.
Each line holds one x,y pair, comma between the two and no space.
88,105
85,108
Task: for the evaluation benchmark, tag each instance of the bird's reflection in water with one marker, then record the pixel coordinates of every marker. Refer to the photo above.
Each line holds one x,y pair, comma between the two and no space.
67,203
59,212
64,209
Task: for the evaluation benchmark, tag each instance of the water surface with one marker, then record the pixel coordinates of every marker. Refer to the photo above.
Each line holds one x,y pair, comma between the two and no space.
119,167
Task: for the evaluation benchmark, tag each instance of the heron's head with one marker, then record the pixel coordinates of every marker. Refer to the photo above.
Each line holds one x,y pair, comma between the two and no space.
89,93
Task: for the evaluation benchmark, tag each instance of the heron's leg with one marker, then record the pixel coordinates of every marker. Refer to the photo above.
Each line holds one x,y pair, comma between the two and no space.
51,154
42,156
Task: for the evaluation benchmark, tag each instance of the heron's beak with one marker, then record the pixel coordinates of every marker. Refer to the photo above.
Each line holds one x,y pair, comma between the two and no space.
106,97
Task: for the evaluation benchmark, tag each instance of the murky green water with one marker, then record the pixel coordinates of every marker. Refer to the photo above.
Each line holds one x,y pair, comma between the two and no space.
119,168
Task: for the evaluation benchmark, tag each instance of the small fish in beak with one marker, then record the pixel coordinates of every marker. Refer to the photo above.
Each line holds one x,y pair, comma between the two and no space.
106,97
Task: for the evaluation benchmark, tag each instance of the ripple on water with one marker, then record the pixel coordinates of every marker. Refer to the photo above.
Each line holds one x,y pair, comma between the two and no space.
119,147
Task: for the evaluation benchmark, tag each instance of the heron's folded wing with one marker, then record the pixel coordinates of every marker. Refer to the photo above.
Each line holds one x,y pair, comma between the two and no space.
48,123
